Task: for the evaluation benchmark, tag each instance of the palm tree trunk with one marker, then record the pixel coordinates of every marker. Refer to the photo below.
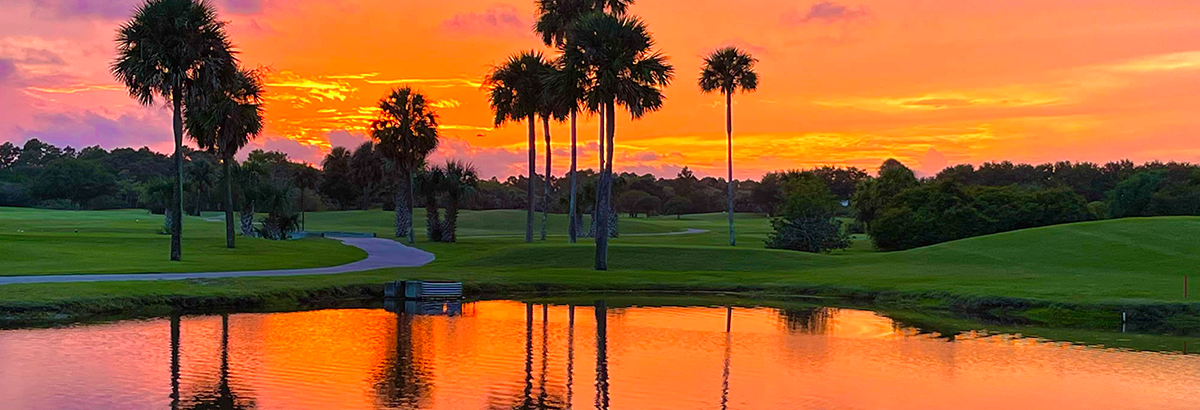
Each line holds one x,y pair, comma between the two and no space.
605,191
449,231
403,218
532,176
729,157
228,200
408,208
546,188
177,200
248,218
573,227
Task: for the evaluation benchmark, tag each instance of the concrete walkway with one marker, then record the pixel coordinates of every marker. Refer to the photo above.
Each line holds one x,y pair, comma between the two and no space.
381,253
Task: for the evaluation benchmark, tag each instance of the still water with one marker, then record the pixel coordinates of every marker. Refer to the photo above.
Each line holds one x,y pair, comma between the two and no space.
512,355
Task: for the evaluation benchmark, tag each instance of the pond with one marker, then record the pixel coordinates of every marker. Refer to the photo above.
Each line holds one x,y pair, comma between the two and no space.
510,355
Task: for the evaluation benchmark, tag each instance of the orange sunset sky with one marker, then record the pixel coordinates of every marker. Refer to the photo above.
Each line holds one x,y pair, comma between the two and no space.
847,82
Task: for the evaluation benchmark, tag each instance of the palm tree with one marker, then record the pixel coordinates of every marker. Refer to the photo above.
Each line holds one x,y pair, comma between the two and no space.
405,133
549,108
306,177
515,94
429,185
567,84
459,182
555,17
617,54
366,169
201,175
728,70
223,121
252,180
161,51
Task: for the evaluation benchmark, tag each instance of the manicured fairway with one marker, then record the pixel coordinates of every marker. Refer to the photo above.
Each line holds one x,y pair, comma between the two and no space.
41,242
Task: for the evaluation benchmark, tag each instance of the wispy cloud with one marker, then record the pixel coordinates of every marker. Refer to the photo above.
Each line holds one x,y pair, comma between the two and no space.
498,19
827,12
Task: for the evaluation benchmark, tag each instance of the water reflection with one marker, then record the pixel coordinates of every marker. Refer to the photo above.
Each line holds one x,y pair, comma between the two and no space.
513,355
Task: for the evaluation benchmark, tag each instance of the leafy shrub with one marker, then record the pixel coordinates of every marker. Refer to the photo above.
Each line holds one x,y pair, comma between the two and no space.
947,211
807,222
13,194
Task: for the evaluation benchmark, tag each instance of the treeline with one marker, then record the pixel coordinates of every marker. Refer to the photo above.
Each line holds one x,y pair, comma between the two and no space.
900,211
39,174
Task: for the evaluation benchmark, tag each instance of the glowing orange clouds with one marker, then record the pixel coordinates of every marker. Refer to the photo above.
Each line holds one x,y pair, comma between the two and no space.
848,82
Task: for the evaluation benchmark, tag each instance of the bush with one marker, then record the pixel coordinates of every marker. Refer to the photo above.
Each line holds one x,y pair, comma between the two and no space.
13,194
1098,209
947,211
807,222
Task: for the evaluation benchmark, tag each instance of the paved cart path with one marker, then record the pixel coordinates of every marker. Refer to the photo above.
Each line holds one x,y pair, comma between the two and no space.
381,253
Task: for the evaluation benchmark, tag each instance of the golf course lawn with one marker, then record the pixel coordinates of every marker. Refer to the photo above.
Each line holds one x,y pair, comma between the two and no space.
43,242
1105,265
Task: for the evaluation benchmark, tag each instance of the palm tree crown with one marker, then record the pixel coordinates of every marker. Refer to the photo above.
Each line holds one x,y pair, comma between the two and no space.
406,130
728,70
224,120
556,16
168,45
616,53
515,87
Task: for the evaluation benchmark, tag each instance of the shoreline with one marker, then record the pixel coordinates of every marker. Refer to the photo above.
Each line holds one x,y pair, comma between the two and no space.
1162,318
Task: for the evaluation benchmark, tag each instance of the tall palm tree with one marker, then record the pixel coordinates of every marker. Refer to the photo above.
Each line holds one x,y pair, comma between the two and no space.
405,133
429,185
555,17
459,182
549,108
161,51
224,120
515,94
566,83
201,175
622,69
728,70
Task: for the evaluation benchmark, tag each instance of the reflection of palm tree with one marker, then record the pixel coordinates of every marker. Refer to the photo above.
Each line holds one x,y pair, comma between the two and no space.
571,353
402,384
174,362
601,356
813,321
222,397
728,352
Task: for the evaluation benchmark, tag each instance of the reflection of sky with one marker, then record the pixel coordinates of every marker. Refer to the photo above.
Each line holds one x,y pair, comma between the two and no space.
843,82
658,358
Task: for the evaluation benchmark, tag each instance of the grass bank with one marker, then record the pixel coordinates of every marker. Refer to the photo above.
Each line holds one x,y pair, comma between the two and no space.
45,242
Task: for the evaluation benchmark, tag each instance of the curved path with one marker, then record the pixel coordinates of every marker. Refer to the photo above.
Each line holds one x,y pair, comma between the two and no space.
381,253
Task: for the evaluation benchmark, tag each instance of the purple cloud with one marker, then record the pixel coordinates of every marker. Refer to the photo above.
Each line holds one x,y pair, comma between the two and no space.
241,6
498,19
7,69
90,128
826,12
104,9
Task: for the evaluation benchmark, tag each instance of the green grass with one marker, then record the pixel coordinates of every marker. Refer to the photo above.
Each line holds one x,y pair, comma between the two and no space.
1068,275
42,242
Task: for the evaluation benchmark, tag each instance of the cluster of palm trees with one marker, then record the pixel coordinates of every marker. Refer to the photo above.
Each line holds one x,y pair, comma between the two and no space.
179,51
454,182
606,59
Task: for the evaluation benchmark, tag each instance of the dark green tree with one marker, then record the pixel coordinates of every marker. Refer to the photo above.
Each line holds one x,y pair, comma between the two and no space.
161,52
